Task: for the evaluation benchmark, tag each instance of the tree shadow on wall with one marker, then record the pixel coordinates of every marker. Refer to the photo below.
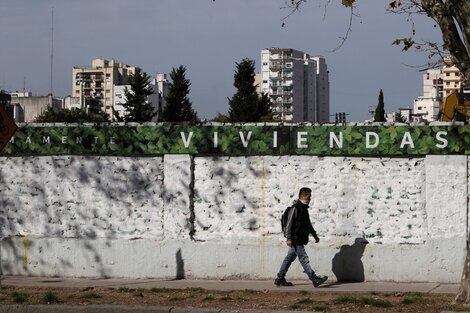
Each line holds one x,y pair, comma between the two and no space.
347,264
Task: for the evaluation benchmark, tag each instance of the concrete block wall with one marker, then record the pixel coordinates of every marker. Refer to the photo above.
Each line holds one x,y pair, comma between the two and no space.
218,217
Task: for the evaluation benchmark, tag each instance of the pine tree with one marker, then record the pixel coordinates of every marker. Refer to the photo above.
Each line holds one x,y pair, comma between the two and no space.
137,107
380,110
263,110
244,103
178,107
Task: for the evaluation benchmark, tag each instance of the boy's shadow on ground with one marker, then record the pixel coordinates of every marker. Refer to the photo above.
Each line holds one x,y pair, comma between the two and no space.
347,264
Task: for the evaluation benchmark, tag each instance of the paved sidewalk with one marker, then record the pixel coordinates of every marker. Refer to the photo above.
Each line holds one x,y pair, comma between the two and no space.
329,286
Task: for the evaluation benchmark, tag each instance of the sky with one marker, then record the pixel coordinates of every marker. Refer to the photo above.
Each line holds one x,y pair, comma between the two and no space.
209,38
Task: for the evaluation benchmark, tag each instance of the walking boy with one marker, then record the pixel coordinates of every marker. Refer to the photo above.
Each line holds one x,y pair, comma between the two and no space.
297,230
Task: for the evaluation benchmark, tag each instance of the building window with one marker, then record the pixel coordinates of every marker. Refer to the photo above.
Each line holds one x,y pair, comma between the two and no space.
265,63
77,92
420,108
265,81
108,91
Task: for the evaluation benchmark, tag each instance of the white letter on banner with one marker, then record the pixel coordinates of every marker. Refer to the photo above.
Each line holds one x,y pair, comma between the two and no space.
377,140
28,140
275,139
111,141
301,140
12,140
78,140
339,142
186,142
46,139
247,140
216,139
407,140
64,139
443,141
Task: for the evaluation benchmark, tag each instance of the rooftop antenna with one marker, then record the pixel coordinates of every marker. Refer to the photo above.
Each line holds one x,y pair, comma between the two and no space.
52,48
24,84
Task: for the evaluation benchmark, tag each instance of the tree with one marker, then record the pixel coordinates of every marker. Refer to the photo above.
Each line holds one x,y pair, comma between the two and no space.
400,118
220,118
451,16
137,106
70,116
380,110
246,105
178,107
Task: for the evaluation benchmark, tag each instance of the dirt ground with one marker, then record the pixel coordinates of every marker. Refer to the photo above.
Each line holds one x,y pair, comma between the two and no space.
244,299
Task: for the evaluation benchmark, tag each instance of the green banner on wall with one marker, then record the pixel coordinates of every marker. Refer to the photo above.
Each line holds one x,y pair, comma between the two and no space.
403,140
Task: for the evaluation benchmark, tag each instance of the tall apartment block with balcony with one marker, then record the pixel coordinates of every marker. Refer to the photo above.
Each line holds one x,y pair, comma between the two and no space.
437,85
94,85
296,83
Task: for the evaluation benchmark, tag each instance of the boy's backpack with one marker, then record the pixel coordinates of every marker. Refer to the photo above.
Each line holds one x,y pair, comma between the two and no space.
284,218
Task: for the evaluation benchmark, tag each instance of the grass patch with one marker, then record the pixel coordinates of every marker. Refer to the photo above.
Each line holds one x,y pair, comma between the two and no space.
305,301
195,289
19,297
159,290
377,302
414,297
303,292
140,290
346,299
367,301
250,291
90,295
295,306
320,307
123,289
50,297
226,298
208,298
407,301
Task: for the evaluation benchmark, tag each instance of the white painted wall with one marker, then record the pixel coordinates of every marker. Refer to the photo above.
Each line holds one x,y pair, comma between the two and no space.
218,217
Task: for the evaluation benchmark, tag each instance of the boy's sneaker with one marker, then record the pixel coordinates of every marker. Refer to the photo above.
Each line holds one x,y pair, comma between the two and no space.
317,281
282,282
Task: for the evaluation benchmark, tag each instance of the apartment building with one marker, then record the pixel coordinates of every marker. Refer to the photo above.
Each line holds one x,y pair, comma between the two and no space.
25,108
94,85
119,97
297,84
437,85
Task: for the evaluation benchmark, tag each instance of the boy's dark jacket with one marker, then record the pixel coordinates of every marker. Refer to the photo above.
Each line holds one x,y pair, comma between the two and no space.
298,226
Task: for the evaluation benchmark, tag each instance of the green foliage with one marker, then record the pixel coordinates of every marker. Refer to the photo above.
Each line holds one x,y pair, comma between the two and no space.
178,107
137,107
259,140
70,116
348,3
380,110
90,295
407,43
123,289
221,118
246,105
400,118
159,290
19,297
50,297
363,301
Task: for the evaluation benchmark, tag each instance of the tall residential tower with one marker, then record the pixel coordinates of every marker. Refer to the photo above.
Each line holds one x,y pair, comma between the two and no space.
297,84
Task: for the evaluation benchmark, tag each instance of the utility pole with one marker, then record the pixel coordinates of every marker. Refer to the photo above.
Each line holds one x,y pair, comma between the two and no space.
52,49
